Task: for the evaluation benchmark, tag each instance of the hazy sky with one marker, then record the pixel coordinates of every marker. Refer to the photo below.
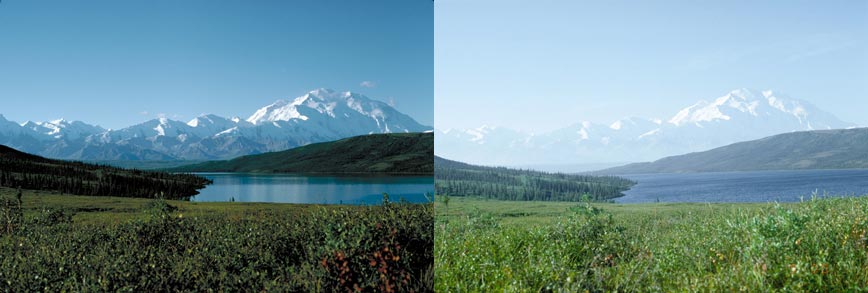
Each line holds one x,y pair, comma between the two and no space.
118,63
542,65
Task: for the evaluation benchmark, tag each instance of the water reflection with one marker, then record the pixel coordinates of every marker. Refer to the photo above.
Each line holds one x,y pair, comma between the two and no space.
304,188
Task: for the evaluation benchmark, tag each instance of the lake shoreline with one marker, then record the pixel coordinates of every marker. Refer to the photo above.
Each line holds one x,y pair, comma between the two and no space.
314,188
745,186
371,174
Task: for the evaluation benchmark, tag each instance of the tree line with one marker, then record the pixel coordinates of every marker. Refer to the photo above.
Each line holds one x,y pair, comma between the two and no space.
460,179
37,173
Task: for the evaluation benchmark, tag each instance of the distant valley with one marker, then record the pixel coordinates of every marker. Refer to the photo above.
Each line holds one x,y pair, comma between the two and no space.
317,116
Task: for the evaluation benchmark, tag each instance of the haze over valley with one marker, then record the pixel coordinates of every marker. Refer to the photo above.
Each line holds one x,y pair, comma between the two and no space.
740,115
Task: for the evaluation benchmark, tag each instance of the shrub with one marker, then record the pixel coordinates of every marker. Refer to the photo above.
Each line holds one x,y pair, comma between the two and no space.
319,249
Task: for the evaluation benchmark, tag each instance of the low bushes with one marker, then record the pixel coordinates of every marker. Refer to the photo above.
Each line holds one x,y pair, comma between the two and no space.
818,245
323,248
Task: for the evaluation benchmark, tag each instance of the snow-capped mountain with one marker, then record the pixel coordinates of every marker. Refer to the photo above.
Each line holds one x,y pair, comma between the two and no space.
319,115
210,124
739,115
61,128
337,111
9,128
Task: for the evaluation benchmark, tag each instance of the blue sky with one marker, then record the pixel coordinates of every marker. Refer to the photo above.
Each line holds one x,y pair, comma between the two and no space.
118,63
541,65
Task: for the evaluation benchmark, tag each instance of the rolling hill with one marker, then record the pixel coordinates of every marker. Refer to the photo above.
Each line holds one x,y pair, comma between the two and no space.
26,171
819,149
410,153
461,179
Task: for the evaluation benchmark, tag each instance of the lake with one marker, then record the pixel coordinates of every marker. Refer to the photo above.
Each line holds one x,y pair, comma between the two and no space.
319,189
753,186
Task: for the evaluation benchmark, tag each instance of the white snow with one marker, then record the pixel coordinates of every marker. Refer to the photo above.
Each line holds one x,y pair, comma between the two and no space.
649,133
478,134
739,115
583,134
227,131
160,130
319,115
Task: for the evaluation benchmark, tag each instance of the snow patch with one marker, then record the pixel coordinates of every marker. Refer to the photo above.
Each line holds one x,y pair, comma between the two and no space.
583,134
160,130
649,133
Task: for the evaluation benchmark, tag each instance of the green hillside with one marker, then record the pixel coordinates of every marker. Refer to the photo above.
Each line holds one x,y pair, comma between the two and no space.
30,172
460,179
410,153
819,149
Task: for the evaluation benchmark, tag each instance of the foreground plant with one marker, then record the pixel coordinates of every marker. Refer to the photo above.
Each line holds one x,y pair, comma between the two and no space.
320,249
819,245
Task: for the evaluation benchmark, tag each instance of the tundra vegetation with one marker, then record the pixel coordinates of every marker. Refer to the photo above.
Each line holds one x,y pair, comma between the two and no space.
484,245
56,242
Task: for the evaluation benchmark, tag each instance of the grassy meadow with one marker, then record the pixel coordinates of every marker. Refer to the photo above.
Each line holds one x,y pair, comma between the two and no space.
84,243
508,246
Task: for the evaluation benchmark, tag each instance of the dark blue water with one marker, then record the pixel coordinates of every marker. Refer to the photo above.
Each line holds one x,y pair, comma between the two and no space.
754,186
301,188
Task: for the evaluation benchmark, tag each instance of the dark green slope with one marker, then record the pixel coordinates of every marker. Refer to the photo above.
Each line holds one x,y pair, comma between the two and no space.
18,169
461,179
375,153
7,153
819,149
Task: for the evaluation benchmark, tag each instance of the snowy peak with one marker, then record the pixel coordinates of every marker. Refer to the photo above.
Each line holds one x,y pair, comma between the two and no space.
61,128
478,134
743,100
317,116
325,102
164,126
211,121
149,129
739,115
202,120
343,112
743,103
211,125
280,110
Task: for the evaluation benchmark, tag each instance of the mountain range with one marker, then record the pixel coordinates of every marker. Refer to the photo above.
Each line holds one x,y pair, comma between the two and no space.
818,149
317,116
740,115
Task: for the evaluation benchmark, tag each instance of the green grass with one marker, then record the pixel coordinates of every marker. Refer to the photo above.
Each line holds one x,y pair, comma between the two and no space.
106,210
83,243
489,245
